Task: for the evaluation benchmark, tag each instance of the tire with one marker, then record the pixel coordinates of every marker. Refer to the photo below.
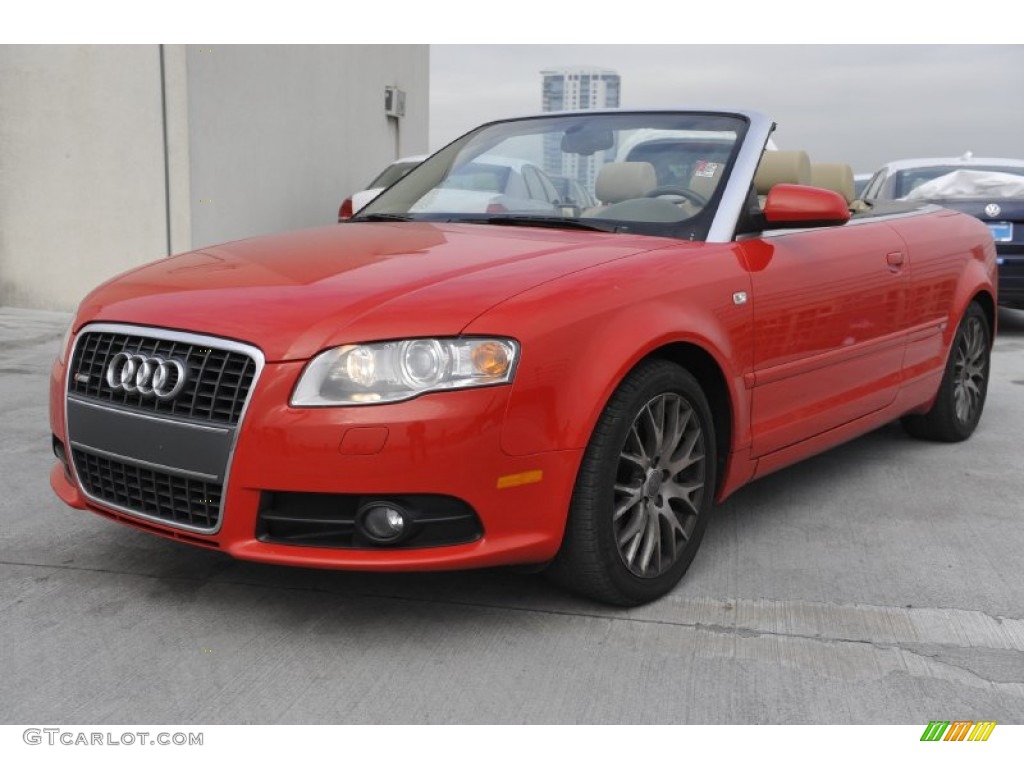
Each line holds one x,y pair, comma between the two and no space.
961,397
644,490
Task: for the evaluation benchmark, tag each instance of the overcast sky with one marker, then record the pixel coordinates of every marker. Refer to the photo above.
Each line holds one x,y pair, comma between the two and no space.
860,104
842,102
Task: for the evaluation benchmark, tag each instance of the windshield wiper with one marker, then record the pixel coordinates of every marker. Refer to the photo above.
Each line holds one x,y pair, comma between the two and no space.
549,222
381,217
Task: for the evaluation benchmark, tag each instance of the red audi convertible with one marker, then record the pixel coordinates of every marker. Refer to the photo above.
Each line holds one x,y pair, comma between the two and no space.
462,377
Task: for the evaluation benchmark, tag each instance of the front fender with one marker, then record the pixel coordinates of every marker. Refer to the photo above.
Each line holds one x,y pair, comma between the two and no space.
581,335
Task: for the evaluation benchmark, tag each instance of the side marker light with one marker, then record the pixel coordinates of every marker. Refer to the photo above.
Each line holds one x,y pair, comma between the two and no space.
522,478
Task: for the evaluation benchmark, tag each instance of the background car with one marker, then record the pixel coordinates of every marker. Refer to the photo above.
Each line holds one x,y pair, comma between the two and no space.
384,179
493,184
687,165
572,193
860,183
991,189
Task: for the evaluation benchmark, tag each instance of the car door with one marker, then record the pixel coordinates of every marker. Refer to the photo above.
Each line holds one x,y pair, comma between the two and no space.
829,315
538,187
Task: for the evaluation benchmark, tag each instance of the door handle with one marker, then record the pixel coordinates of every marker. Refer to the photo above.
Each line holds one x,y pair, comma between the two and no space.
894,260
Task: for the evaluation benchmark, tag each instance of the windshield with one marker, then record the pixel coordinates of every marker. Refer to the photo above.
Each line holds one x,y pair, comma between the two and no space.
658,173
392,173
907,183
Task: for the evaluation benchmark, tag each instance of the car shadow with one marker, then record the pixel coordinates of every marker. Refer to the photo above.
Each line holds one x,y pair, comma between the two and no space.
180,577
768,500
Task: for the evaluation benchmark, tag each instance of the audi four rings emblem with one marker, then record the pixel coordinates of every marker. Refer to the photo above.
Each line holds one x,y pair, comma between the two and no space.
147,375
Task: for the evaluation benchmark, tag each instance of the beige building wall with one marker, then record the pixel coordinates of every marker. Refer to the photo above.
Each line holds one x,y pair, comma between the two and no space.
81,169
280,135
113,156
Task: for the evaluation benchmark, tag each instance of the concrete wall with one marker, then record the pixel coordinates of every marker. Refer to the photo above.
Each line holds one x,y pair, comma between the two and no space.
112,156
81,169
280,135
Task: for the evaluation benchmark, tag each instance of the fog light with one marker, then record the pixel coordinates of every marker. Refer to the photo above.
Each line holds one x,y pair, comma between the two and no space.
58,450
383,523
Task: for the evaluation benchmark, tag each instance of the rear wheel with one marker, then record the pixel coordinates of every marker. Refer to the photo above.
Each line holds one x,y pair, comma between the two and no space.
644,490
961,397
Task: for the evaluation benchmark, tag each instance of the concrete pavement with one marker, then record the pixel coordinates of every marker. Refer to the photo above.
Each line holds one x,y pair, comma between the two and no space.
878,583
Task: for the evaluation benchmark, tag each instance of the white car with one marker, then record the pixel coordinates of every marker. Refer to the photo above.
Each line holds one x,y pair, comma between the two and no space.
572,193
384,179
492,184
860,182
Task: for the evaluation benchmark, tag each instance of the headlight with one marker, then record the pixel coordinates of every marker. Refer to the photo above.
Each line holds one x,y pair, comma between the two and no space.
386,372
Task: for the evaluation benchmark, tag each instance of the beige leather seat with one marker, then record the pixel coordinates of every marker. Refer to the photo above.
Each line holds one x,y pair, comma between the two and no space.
835,176
624,181
790,166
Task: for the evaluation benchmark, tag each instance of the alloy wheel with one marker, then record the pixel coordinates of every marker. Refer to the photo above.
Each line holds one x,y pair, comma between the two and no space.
659,486
969,370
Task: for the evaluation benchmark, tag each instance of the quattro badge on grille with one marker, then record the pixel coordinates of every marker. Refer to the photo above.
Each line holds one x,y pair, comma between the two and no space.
146,375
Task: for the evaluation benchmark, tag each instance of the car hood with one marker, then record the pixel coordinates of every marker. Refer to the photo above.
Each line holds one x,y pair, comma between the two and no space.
297,293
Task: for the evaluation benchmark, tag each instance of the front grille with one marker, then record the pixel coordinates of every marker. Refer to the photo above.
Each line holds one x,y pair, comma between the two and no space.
166,460
218,380
159,495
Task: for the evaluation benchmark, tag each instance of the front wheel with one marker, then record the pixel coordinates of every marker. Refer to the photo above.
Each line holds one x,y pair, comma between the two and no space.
964,385
644,490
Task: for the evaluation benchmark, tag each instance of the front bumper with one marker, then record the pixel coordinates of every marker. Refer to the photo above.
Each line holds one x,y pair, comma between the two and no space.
443,444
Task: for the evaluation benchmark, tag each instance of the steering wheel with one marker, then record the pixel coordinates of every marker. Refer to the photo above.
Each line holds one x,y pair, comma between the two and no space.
689,194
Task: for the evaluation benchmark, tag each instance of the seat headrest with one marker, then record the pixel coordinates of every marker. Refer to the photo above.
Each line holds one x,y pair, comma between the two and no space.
835,176
791,166
624,181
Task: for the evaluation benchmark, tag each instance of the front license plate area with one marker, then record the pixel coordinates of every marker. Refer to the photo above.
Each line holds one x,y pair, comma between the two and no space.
1002,231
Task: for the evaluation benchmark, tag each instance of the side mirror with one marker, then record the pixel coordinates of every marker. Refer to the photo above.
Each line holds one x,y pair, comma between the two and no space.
793,206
